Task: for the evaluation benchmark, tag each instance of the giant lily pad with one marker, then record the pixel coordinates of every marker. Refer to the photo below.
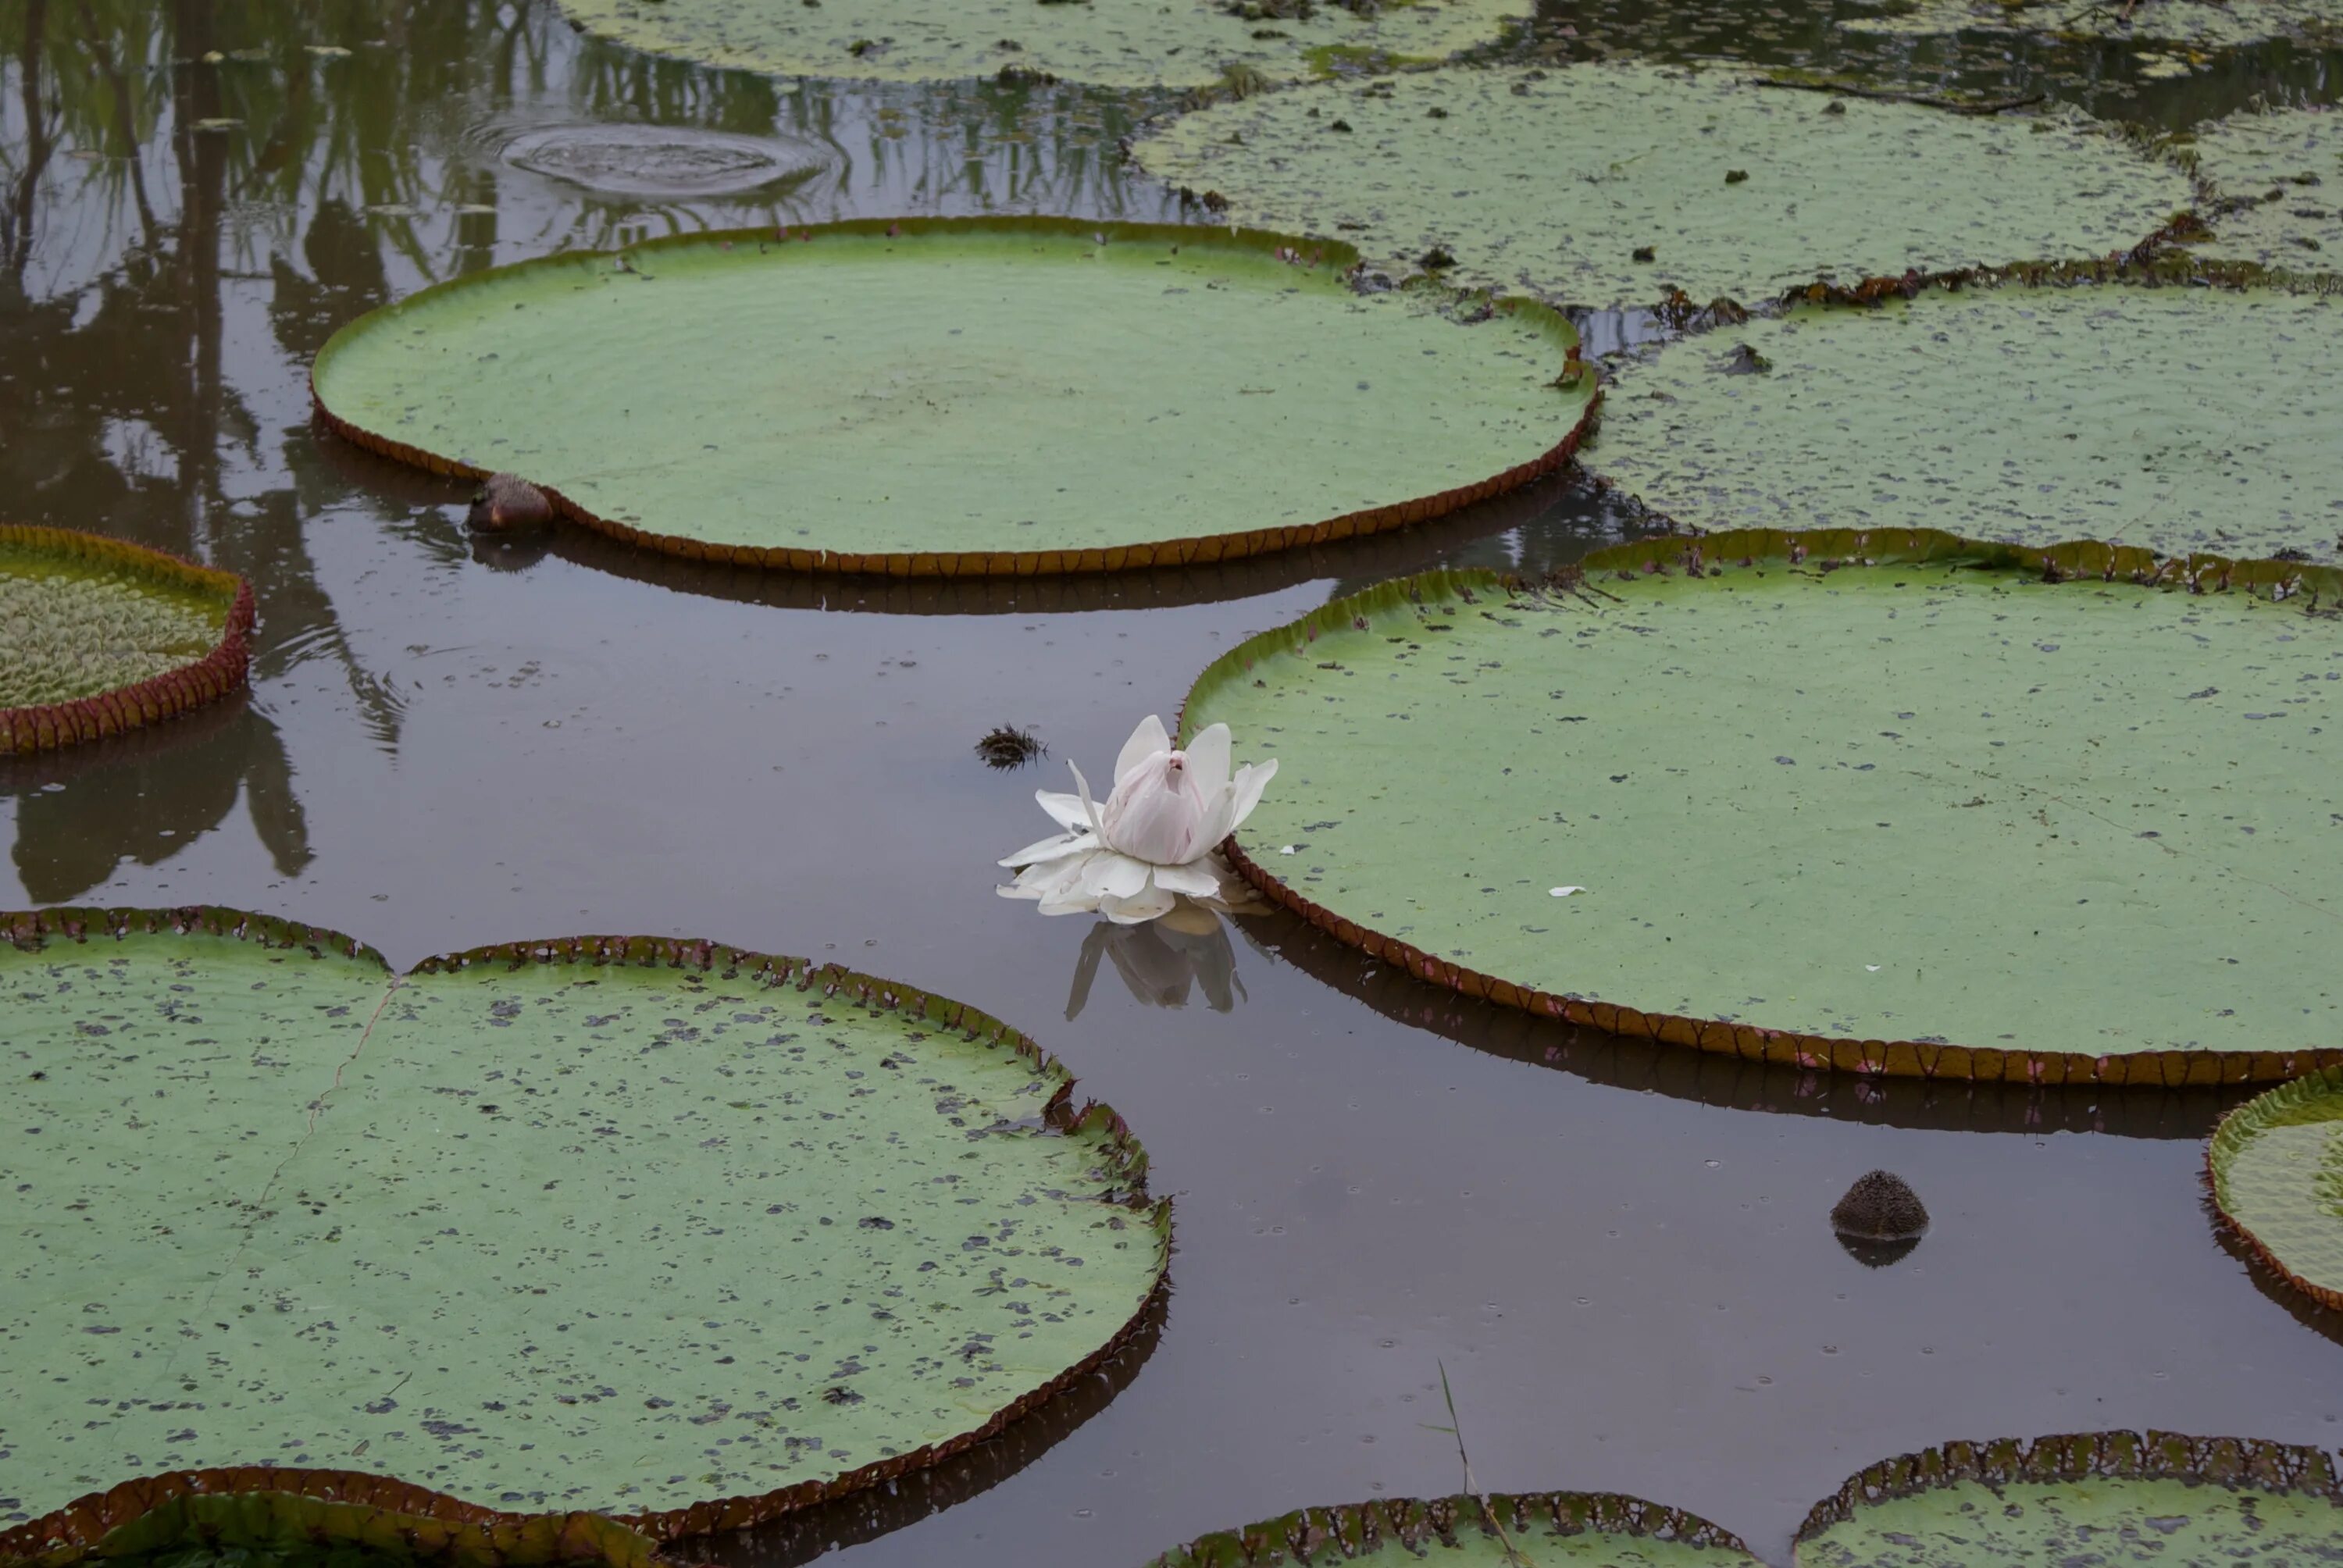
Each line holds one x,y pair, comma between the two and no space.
1555,180
2173,420
965,396
2276,1164
2213,24
1500,1532
1112,42
2100,1498
1931,815
98,636
2281,171
649,1228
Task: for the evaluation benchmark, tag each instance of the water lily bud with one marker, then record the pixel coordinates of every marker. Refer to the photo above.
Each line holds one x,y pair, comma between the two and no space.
1158,813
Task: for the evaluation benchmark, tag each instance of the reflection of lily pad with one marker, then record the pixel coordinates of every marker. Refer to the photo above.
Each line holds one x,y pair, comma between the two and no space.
2218,24
2276,1164
1112,42
97,636
1931,817
296,1519
2284,170
2108,1498
968,396
1554,179
645,1227
1556,1527
2173,419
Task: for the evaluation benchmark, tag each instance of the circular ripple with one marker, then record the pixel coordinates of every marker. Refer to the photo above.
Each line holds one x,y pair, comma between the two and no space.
660,160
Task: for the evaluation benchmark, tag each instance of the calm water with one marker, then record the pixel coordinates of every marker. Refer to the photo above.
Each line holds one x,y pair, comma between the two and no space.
1620,1255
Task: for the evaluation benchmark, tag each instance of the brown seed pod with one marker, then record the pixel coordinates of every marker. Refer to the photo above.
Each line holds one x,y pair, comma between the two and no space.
506,501
1880,1207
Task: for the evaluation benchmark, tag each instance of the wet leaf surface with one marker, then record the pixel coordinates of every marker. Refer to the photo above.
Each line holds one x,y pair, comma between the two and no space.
623,1235
1475,1532
72,627
1113,43
2277,1165
871,387
2280,174
1554,180
2173,419
1974,798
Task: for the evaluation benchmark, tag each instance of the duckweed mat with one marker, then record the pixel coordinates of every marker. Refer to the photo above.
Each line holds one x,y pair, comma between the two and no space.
2276,1168
2100,1498
1110,42
657,1229
1611,183
1927,814
949,397
98,636
1500,1531
2174,419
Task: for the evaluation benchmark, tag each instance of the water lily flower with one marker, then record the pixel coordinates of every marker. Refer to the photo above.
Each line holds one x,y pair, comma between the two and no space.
1153,839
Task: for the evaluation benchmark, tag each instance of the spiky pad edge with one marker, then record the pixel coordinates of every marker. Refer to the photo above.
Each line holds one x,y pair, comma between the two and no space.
2231,1134
2235,1462
1827,548
1352,1530
85,1521
1202,549
50,726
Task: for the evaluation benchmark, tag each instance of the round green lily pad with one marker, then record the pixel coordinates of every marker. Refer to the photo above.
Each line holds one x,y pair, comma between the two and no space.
2277,1165
1930,816
979,396
2101,1499
98,636
649,1228
2211,24
279,1518
2280,176
1500,1531
1556,180
2179,420
1110,42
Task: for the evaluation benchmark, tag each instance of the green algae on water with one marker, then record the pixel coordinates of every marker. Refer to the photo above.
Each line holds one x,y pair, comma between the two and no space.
1107,43
2174,419
1555,181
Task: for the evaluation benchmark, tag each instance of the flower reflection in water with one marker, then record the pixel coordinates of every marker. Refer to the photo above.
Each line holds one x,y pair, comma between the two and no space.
1163,961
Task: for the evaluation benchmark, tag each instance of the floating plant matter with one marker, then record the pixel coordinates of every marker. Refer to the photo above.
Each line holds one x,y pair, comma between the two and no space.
2280,173
2049,831
98,636
2111,1497
2213,24
1612,183
2173,419
965,396
1498,1531
652,1228
1152,840
2277,1165
1110,43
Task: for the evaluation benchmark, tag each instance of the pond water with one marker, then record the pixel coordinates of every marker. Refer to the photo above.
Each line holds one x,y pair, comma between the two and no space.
1621,1256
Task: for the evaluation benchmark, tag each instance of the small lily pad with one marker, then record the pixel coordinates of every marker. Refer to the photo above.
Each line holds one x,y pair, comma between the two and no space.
1558,180
1110,42
2112,1497
1498,1532
2280,176
2173,419
954,396
655,1229
2276,1164
1889,803
98,636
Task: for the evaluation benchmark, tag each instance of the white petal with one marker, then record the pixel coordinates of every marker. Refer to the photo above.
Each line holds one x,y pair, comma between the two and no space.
1564,893
1150,737
1066,808
1249,781
1208,759
1155,813
1113,876
1195,878
1149,903
1090,807
1056,847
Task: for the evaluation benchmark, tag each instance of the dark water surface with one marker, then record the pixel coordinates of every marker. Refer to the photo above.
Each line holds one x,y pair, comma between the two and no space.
1620,1255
